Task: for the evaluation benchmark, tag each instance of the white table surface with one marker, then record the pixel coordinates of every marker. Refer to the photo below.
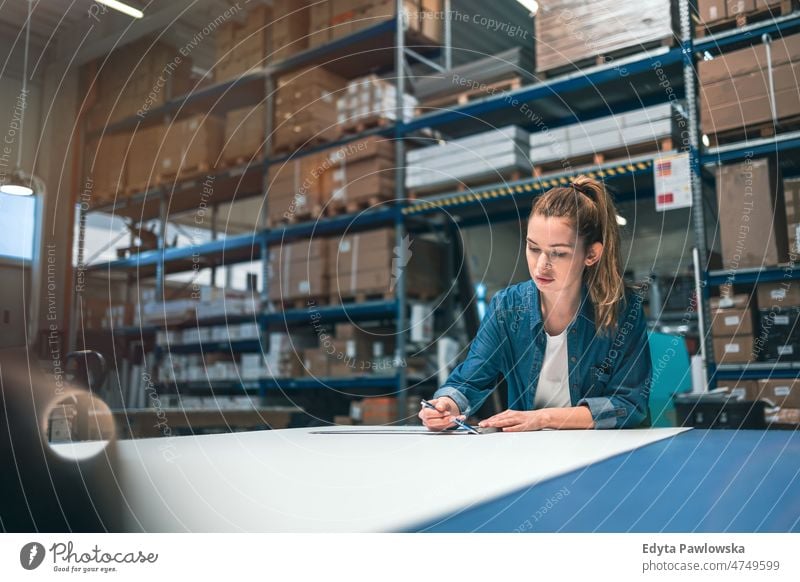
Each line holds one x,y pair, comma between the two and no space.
293,480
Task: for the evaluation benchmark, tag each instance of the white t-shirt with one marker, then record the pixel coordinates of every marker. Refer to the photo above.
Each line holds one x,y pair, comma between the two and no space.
552,391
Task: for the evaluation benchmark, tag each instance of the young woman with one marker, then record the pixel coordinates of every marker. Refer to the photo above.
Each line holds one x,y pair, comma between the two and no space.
572,341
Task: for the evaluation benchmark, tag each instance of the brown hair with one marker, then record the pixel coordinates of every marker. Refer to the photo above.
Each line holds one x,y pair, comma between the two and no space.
588,207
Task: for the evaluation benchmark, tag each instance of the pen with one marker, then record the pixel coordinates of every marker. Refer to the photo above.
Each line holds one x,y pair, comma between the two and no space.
460,423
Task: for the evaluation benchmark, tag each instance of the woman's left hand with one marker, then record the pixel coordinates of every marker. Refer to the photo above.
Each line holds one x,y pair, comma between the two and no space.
517,420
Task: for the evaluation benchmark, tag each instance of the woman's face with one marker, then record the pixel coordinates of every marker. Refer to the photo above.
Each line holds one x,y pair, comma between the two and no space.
556,256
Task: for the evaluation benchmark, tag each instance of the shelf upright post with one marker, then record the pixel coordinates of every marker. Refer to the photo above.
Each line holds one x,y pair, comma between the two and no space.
269,82
162,243
401,252
448,36
698,214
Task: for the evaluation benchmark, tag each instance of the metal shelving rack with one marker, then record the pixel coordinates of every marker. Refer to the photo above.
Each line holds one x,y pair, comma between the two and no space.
567,96
251,180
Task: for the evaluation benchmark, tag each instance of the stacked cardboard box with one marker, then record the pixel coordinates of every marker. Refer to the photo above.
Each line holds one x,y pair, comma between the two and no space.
354,351
784,393
290,27
570,31
244,134
489,155
711,11
732,328
191,144
339,18
362,172
105,175
366,264
779,304
298,270
139,76
299,187
735,90
243,46
370,101
143,162
305,108
740,389
752,220
791,190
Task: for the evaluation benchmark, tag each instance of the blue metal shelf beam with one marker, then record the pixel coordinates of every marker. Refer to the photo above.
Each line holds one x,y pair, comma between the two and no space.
758,370
750,276
752,148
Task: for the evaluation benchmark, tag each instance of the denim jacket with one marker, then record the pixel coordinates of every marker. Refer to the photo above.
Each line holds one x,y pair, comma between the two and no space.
609,373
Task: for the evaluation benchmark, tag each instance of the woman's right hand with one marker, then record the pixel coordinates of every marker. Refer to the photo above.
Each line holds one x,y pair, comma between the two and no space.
439,419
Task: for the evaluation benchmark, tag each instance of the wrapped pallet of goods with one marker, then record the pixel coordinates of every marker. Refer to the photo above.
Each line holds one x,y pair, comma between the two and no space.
651,129
355,350
135,79
305,109
491,156
779,309
366,266
362,175
369,102
298,273
750,91
733,327
244,135
243,46
298,188
574,34
191,146
752,217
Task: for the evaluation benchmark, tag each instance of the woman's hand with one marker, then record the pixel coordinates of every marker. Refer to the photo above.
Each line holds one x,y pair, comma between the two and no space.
439,419
517,420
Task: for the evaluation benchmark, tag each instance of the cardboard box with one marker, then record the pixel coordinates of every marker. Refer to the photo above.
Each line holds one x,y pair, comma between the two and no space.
732,322
738,301
739,7
783,393
730,350
290,28
143,161
778,294
106,168
752,222
711,10
379,410
244,133
316,362
782,323
298,270
741,390
191,144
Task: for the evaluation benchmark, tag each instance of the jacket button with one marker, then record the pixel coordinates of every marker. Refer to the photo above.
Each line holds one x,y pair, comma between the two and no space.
573,358
574,330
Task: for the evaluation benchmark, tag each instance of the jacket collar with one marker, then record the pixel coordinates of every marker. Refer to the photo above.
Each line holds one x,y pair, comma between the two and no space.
533,302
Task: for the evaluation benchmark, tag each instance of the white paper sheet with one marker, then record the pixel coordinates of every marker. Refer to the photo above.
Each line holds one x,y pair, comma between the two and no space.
296,481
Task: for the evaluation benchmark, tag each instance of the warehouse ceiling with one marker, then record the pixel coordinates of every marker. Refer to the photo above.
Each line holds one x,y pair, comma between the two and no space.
77,31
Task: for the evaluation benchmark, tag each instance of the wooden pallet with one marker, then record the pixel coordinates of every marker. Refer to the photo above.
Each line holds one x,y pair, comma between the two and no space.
297,146
337,207
740,20
314,213
355,127
235,162
465,97
508,176
301,302
605,58
663,145
384,294
185,173
755,131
